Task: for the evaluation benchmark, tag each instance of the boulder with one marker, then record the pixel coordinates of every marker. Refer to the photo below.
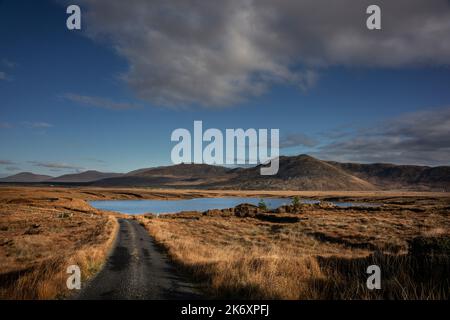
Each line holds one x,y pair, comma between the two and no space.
246,210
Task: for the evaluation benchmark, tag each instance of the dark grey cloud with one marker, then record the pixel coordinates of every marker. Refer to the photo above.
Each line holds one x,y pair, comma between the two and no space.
99,102
5,125
3,76
55,165
415,138
6,162
217,53
296,140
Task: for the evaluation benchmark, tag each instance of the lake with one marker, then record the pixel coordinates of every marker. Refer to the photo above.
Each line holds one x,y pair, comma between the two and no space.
198,204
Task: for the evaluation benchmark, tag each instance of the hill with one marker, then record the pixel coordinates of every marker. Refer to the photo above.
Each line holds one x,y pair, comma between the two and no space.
301,172
86,176
26,177
298,173
391,176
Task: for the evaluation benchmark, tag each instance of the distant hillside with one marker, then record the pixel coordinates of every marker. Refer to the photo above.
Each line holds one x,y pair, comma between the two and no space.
182,170
298,173
301,172
87,176
391,176
176,175
26,177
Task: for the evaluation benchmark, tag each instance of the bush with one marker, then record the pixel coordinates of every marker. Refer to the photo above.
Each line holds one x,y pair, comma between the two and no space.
296,202
262,205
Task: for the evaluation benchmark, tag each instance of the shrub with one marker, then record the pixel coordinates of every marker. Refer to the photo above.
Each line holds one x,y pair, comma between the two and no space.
262,205
296,202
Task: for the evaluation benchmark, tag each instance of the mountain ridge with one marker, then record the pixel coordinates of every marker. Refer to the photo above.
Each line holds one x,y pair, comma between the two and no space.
26,177
301,172
85,176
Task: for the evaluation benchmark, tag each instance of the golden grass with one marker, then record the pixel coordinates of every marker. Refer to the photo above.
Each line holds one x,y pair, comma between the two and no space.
237,266
98,193
324,256
47,279
41,237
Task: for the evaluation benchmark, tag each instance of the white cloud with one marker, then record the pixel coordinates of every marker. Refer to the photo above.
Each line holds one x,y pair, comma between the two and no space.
216,53
36,125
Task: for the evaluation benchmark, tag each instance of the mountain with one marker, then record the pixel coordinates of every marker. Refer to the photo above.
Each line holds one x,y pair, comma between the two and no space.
26,177
301,172
297,173
391,176
86,176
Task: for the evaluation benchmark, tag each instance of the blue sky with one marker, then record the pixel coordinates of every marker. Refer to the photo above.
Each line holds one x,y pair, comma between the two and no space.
69,101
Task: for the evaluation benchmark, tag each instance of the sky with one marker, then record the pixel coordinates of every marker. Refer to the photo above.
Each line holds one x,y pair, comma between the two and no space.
107,97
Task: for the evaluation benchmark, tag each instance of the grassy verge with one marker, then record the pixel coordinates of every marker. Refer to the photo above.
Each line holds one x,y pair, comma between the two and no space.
41,238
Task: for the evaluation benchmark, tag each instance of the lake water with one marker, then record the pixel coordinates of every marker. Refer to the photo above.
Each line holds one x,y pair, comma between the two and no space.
198,204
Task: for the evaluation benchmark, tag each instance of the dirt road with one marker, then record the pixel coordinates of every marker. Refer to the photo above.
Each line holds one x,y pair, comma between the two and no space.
137,269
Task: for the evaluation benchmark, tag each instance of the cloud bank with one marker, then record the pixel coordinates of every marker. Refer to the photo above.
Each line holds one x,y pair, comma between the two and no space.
297,140
415,138
6,162
55,165
217,53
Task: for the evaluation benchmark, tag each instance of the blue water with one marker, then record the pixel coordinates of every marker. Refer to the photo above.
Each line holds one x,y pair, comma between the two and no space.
198,204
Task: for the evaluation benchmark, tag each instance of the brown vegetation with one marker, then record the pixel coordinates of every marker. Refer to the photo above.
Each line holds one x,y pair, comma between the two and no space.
322,253
307,253
41,234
